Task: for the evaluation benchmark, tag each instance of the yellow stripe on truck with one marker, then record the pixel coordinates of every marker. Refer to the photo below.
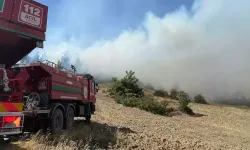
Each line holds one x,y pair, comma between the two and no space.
11,107
19,106
2,108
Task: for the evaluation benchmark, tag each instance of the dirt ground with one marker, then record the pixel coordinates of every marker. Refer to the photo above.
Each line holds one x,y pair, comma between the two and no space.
215,127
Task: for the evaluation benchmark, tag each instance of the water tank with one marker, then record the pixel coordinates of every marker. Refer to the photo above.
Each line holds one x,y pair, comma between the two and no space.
23,25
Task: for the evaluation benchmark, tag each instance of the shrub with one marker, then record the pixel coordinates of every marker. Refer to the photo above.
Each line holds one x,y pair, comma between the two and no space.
151,105
184,100
146,103
200,99
183,96
127,92
185,109
126,86
161,93
173,94
118,98
131,101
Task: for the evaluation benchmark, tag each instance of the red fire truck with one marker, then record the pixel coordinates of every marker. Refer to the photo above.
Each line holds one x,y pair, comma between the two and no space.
40,94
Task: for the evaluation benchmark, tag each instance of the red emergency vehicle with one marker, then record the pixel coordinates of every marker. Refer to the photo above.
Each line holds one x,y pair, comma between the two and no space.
40,94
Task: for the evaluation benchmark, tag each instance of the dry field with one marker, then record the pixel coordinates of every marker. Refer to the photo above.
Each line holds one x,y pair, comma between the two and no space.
117,127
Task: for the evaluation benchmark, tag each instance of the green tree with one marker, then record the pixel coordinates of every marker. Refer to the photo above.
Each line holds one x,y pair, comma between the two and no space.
200,99
173,94
126,86
184,100
126,91
161,93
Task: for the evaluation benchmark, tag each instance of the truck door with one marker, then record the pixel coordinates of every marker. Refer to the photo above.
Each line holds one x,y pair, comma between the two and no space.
88,77
93,91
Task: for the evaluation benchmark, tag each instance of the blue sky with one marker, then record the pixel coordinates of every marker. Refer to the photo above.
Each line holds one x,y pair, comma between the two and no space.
102,19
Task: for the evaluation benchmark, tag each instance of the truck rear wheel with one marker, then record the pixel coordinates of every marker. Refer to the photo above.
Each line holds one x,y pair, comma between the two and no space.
69,123
57,121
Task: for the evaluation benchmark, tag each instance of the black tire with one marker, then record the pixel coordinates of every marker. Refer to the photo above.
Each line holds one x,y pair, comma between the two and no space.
69,121
44,100
57,121
88,113
88,116
88,119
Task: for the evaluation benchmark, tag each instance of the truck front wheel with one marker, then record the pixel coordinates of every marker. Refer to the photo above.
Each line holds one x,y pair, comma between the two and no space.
88,119
57,121
88,113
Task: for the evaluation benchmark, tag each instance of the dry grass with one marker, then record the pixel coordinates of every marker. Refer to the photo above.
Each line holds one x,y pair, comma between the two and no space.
213,127
117,127
91,136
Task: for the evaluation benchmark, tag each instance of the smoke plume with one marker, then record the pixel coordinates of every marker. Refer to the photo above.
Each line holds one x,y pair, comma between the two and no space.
202,50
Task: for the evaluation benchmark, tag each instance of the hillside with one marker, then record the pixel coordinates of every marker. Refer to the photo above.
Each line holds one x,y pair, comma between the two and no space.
117,127
217,127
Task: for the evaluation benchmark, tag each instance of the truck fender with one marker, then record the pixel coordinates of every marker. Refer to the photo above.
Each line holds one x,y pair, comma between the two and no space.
54,106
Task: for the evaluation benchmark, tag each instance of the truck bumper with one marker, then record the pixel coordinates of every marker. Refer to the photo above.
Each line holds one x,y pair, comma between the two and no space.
11,123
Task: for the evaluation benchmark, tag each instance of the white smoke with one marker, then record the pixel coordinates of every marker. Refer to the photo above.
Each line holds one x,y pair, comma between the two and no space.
204,50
